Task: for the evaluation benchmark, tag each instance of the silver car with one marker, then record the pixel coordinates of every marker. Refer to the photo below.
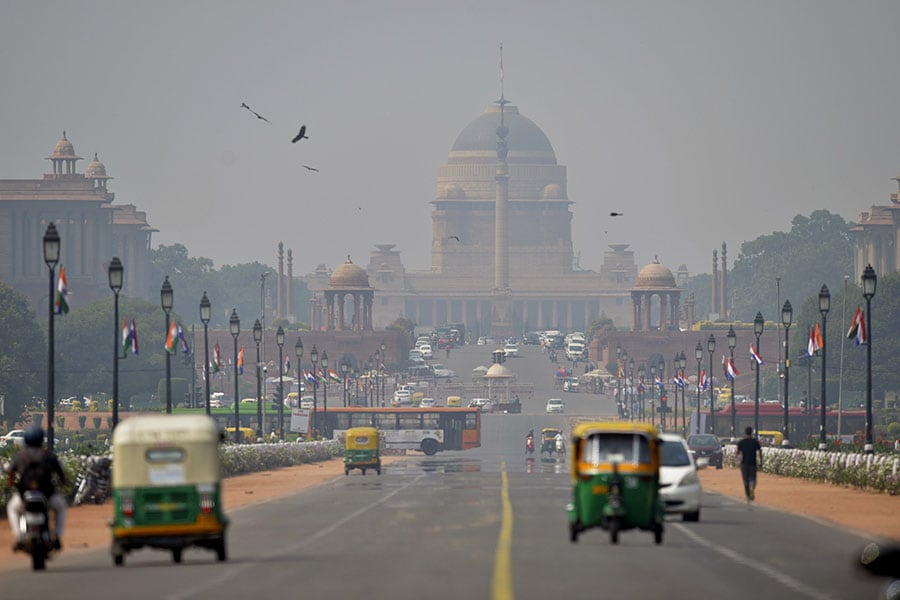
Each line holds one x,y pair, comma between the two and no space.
679,483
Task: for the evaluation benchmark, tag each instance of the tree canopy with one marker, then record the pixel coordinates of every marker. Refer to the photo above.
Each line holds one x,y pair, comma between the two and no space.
23,354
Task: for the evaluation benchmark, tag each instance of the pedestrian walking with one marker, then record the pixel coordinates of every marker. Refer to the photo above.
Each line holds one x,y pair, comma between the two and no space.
747,450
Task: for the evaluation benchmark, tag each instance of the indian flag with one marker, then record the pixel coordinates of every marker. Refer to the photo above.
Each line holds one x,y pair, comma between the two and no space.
62,290
134,339
126,337
217,359
332,375
172,339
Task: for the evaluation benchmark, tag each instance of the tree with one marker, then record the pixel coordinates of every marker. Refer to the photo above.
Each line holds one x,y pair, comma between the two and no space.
23,355
817,250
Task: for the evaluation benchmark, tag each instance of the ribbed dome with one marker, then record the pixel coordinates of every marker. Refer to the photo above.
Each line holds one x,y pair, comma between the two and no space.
95,168
349,275
64,149
655,276
524,136
498,371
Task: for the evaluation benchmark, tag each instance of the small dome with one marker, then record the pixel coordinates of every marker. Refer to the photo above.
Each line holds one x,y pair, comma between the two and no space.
95,168
498,371
655,275
64,149
349,275
553,192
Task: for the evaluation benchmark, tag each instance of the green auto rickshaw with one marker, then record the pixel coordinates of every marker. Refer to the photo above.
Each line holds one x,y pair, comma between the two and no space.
615,479
362,450
166,484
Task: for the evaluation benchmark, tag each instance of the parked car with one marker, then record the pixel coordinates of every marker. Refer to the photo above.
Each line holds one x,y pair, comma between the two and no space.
706,445
427,403
511,349
679,484
442,371
555,405
16,436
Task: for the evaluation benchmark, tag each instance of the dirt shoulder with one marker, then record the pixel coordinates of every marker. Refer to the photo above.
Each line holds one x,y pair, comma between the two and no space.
872,514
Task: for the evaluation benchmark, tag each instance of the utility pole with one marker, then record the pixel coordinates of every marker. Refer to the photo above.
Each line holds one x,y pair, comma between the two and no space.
262,320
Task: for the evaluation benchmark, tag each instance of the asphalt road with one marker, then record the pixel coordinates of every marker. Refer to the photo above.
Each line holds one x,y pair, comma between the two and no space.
487,523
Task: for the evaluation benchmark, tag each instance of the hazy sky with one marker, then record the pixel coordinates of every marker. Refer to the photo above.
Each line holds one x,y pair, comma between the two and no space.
703,122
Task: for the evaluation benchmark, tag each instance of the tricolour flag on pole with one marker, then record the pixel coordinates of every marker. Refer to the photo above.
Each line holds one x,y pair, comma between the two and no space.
240,364
172,338
704,380
309,377
287,364
184,345
62,290
134,340
217,359
730,370
332,375
854,324
820,343
126,337
861,336
755,355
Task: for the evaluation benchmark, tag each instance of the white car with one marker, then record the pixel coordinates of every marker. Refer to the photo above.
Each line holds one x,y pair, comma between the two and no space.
426,351
14,437
511,350
403,397
482,404
307,402
555,405
442,371
427,403
678,480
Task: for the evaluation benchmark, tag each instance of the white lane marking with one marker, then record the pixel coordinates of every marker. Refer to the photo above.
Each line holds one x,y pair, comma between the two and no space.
235,570
771,572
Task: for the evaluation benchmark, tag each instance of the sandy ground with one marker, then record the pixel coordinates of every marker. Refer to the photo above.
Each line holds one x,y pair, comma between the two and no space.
877,515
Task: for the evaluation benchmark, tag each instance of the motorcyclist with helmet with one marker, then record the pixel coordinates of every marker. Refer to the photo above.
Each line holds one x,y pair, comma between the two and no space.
35,467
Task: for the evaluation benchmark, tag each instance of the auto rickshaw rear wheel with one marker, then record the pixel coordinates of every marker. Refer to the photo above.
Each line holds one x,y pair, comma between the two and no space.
614,530
221,554
573,532
658,534
176,555
118,559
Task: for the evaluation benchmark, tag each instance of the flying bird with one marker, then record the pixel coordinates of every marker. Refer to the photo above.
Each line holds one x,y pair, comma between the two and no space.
258,116
453,237
309,168
300,136
616,214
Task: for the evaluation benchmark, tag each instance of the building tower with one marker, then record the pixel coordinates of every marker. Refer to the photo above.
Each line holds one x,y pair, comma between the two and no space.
290,286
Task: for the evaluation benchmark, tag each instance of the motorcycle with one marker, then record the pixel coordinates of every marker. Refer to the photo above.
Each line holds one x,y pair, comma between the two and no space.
93,483
529,444
883,561
35,526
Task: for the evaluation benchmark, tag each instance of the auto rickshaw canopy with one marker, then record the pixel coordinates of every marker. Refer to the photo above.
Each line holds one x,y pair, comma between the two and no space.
361,438
598,446
163,450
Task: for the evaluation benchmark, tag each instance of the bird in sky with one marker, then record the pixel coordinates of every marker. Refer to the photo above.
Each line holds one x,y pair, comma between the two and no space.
300,136
616,214
258,116
453,237
309,168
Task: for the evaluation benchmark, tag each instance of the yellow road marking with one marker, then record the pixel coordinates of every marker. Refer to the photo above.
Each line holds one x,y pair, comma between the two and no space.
502,588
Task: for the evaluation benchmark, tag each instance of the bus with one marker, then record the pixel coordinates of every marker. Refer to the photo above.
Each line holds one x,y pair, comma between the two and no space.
430,430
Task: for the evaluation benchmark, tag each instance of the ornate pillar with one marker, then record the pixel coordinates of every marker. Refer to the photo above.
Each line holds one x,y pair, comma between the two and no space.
342,299
663,299
329,302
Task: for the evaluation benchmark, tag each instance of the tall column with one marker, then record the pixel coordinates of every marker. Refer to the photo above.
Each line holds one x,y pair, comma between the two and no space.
341,297
663,299
723,303
714,306
290,285
279,290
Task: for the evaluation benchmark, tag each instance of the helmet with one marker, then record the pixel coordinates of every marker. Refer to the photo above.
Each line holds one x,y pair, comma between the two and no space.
34,436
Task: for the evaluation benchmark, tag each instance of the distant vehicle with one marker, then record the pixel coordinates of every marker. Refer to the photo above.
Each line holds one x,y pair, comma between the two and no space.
403,396
706,445
555,405
307,402
511,349
16,436
482,404
415,355
575,351
427,403
481,341
679,485
570,384
442,371
248,401
426,351
531,338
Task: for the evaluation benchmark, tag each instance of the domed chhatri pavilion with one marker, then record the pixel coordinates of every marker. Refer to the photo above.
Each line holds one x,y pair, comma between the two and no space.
349,281
502,255
655,280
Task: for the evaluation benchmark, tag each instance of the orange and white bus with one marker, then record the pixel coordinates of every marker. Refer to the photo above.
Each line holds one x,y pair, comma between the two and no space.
430,430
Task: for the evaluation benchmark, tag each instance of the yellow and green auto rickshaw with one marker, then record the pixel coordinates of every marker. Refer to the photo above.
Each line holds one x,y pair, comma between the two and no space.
166,483
615,479
548,440
362,450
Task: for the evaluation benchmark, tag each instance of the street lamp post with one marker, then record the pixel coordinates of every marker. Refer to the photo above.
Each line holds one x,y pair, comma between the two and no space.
279,339
370,400
675,364
682,361
381,368
787,314
869,281
758,325
314,358
662,392
234,323
205,314
345,368
625,381
298,352
824,307
631,405
257,337
732,342
698,354
116,272
641,371
167,298
653,395
711,346
325,393
378,397
619,400
51,257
